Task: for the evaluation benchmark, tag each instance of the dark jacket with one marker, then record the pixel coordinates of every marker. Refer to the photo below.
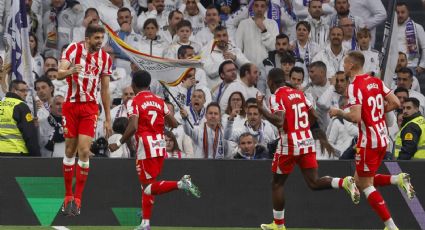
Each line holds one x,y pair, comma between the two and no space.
260,153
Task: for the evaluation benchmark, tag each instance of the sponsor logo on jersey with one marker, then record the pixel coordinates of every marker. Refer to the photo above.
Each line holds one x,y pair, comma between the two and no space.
372,86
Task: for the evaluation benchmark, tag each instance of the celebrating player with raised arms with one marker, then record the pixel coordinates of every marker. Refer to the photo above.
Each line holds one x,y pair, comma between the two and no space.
369,100
292,114
147,116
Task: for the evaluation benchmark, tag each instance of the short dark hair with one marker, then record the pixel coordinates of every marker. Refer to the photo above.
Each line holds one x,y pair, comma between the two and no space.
282,36
219,28
297,69
305,24
227,62
90,9
170,16
406,70
51,57
401,53
245,68
182,50
184,23
15,83
401,90
414,101
150,21
120,124
314,1
247,134
34,52
276,75
357,57
287,57
251,100
318,64
92,29
123,9
213,104
141,79
211,6
402,4
46,80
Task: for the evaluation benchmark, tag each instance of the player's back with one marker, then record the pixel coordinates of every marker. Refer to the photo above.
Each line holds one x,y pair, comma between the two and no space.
370,93
296,137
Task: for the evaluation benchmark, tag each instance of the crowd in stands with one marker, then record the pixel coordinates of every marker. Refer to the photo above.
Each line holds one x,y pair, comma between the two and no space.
240,43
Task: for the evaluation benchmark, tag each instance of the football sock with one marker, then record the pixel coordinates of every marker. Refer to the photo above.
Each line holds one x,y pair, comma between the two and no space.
68,173
384,180
147,205
81,177
377,202
337,182
160,187
390,224
279,217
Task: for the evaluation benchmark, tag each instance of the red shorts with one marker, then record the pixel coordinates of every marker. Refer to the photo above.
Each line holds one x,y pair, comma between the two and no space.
284,164
369,160
149,169
79,118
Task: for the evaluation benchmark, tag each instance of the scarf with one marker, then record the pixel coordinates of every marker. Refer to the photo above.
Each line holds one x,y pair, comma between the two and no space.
197,117
318,32
335,22
412,48
188,95
306,58
218,151
56,122
273,12
289,10
259,135
220,92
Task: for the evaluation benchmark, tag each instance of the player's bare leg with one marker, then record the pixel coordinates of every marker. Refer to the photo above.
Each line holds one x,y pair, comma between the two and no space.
278,199
68,174
375,200
83,166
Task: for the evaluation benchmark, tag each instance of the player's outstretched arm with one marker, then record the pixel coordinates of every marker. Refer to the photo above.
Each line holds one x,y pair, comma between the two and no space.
276,118
354,115
392,102
66,70
131,129
171,121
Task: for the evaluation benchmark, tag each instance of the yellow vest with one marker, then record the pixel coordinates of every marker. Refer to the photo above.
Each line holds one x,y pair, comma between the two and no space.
420,153
11,140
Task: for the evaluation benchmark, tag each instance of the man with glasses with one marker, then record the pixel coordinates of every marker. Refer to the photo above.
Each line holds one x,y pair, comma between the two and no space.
18,134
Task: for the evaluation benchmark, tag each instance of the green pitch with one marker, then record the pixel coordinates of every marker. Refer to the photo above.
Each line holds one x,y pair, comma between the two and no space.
128,228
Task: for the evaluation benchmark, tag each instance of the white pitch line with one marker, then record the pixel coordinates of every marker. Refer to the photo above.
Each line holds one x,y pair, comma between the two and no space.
60,228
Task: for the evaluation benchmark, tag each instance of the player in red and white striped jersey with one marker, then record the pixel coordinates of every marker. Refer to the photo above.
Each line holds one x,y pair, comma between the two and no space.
292,113
83,65
369,100
147,116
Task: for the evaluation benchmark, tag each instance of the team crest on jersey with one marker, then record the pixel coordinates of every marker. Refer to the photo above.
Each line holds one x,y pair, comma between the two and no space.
91,69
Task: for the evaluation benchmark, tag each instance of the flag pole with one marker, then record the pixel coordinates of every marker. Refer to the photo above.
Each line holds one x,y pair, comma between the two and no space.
175,100
388,37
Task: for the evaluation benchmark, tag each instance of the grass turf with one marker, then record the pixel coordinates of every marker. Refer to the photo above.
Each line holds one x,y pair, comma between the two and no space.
128,228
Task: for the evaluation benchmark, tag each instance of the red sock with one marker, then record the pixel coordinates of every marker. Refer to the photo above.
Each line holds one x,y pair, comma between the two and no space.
80,182
378,204
381,180
147,205
160,187
279,221
68,174
340,183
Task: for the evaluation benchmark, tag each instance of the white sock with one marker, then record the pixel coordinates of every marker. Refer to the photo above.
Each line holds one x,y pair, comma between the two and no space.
394,179
147,190
145,222
279,215
390,224
84,165
335,182
367,191
68,161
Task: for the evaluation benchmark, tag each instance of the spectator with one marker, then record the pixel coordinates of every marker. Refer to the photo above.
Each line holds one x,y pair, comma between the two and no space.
119,126
183,91
218,53
45,90
212,20
405,80
49,62
121,110
37,59
236,103
52,141
18,133
194,12
171,146
349,41
402,62
411,39
342,8
58,23
375,13
318,21
287,63
371,64
334,94
256,36
207,139
167,33
35,23
333,54
402,94
158,12
108,10
91,16
151,43
197,107
228,74
227,8
302,8
184,30
248,149
187,52
52,74
273,60
410,141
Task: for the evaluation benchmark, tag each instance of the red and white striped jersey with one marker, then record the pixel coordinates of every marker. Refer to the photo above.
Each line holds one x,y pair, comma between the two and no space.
82,87
295,135
151,110
370,92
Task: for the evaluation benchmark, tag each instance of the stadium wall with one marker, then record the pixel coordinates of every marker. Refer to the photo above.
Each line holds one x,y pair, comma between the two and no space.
234,194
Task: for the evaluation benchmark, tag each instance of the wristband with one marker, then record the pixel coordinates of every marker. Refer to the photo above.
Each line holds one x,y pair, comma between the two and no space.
118,143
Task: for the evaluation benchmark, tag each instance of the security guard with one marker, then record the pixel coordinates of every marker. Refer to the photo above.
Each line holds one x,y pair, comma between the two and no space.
18,134
410,141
